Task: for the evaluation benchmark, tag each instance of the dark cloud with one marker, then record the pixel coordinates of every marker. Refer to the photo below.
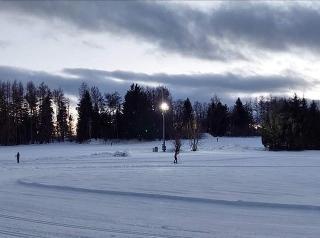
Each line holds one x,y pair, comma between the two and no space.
147,21
217,34
274,27
229,83
195,86
69,83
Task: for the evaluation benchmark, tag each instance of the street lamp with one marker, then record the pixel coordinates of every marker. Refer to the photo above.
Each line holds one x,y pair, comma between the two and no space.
164,107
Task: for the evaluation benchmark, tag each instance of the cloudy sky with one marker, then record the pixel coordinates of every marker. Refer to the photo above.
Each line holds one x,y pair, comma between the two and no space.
196,49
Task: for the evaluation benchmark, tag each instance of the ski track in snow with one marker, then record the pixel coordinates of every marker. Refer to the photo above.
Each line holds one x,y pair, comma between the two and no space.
233,188
171,197
58,224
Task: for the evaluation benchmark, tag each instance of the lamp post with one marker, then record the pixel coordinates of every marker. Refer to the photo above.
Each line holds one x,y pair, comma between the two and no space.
164,107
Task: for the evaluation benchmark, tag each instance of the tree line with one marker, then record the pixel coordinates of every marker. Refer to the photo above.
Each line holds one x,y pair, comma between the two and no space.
290,124
139,116
38,114
34,114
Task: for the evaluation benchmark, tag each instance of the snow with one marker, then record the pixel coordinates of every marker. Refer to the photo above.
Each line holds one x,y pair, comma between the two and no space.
229,188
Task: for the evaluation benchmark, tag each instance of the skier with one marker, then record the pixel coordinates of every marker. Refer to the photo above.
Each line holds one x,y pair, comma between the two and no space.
18,157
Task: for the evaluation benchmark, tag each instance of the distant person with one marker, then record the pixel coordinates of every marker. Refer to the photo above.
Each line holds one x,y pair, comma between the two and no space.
217,139
18,157
177,146
175,158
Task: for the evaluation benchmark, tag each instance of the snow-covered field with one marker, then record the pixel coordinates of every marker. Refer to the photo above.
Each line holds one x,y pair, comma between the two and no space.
230,188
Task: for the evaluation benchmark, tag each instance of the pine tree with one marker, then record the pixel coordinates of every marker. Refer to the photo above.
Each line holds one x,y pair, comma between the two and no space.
113,112
291,125
137,120
32,104
7,131
84,117
218,118
17,113
240,119
96,122
61,114
46,127
187,119
98,109
70,128
312,127
3,112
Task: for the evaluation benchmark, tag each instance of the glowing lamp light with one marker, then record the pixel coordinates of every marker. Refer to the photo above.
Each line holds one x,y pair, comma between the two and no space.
164,107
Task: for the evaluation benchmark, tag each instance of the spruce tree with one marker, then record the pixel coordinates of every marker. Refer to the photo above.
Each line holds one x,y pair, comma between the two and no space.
3,112
240,119
312,127
137,120
46,127
218,118
18,113
84,117
32,107
96,122
187,118
7,132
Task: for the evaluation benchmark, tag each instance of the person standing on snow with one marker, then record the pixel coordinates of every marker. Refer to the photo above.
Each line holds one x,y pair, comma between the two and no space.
175,157
18,157
177,146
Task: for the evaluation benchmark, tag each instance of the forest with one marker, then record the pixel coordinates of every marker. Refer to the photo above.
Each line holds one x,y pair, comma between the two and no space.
37,114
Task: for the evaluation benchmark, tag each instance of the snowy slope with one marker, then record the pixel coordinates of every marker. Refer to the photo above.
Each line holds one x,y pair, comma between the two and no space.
229,188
